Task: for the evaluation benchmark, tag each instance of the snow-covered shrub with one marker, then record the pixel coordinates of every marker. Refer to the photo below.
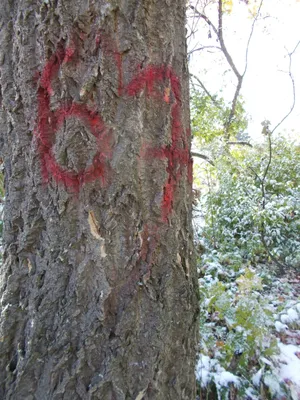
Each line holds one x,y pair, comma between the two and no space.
245,333
249,331
239,319
253,206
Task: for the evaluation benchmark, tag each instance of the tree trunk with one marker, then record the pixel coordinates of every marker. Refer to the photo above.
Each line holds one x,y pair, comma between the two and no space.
98,286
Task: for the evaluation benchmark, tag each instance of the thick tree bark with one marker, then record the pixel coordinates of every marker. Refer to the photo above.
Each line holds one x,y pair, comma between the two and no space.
98,286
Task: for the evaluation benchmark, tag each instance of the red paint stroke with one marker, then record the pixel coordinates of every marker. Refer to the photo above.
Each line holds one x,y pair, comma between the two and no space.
50,121
177,153
69,53
149,80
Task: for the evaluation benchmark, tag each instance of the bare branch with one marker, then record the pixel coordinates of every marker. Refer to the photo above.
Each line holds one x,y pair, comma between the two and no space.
250,36
193,154
233,107
293,88
219,32
222,43
207,92
240,143
194,25
232,65
270,158
206,19
204,48
192,32
239,77
255,173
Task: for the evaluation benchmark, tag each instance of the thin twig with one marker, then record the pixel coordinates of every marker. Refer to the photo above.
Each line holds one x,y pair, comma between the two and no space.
240,143
293,89
222,43
234,69
219,33
255,173
206,19
194,25
194,154
270,157
250,36
204,48
240,78
215,102
233,108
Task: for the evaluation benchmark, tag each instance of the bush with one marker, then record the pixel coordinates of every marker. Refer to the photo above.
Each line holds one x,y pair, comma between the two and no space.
248,325
253,209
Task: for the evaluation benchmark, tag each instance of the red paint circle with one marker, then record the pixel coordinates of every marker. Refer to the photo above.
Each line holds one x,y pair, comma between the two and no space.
96,126
50,121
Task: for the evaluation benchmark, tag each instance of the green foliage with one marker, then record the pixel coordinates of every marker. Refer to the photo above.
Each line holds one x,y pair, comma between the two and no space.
241,344
244,317
241,205
209,115
236,323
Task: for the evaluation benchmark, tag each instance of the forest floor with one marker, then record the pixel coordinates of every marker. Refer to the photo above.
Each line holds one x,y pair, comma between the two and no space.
250,331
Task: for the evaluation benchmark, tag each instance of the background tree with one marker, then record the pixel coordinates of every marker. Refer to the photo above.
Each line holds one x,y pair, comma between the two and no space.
228,49
98,285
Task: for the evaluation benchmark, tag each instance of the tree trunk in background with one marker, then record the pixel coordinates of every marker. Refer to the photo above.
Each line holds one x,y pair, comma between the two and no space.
98,286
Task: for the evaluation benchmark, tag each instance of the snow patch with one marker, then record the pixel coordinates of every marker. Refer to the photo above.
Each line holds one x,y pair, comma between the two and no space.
203,370
272,382
293,315
208,370
290,363
285,319
257,377
280,327
226,377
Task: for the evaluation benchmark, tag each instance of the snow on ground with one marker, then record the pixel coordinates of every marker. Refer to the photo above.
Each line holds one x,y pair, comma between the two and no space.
279,373
287,363
208,369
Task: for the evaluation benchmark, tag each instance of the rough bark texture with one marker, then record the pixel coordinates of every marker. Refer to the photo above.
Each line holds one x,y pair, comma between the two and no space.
98,288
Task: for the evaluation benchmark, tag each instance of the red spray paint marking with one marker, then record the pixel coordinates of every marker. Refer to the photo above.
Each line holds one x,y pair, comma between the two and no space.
50,121
70,52
177,153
